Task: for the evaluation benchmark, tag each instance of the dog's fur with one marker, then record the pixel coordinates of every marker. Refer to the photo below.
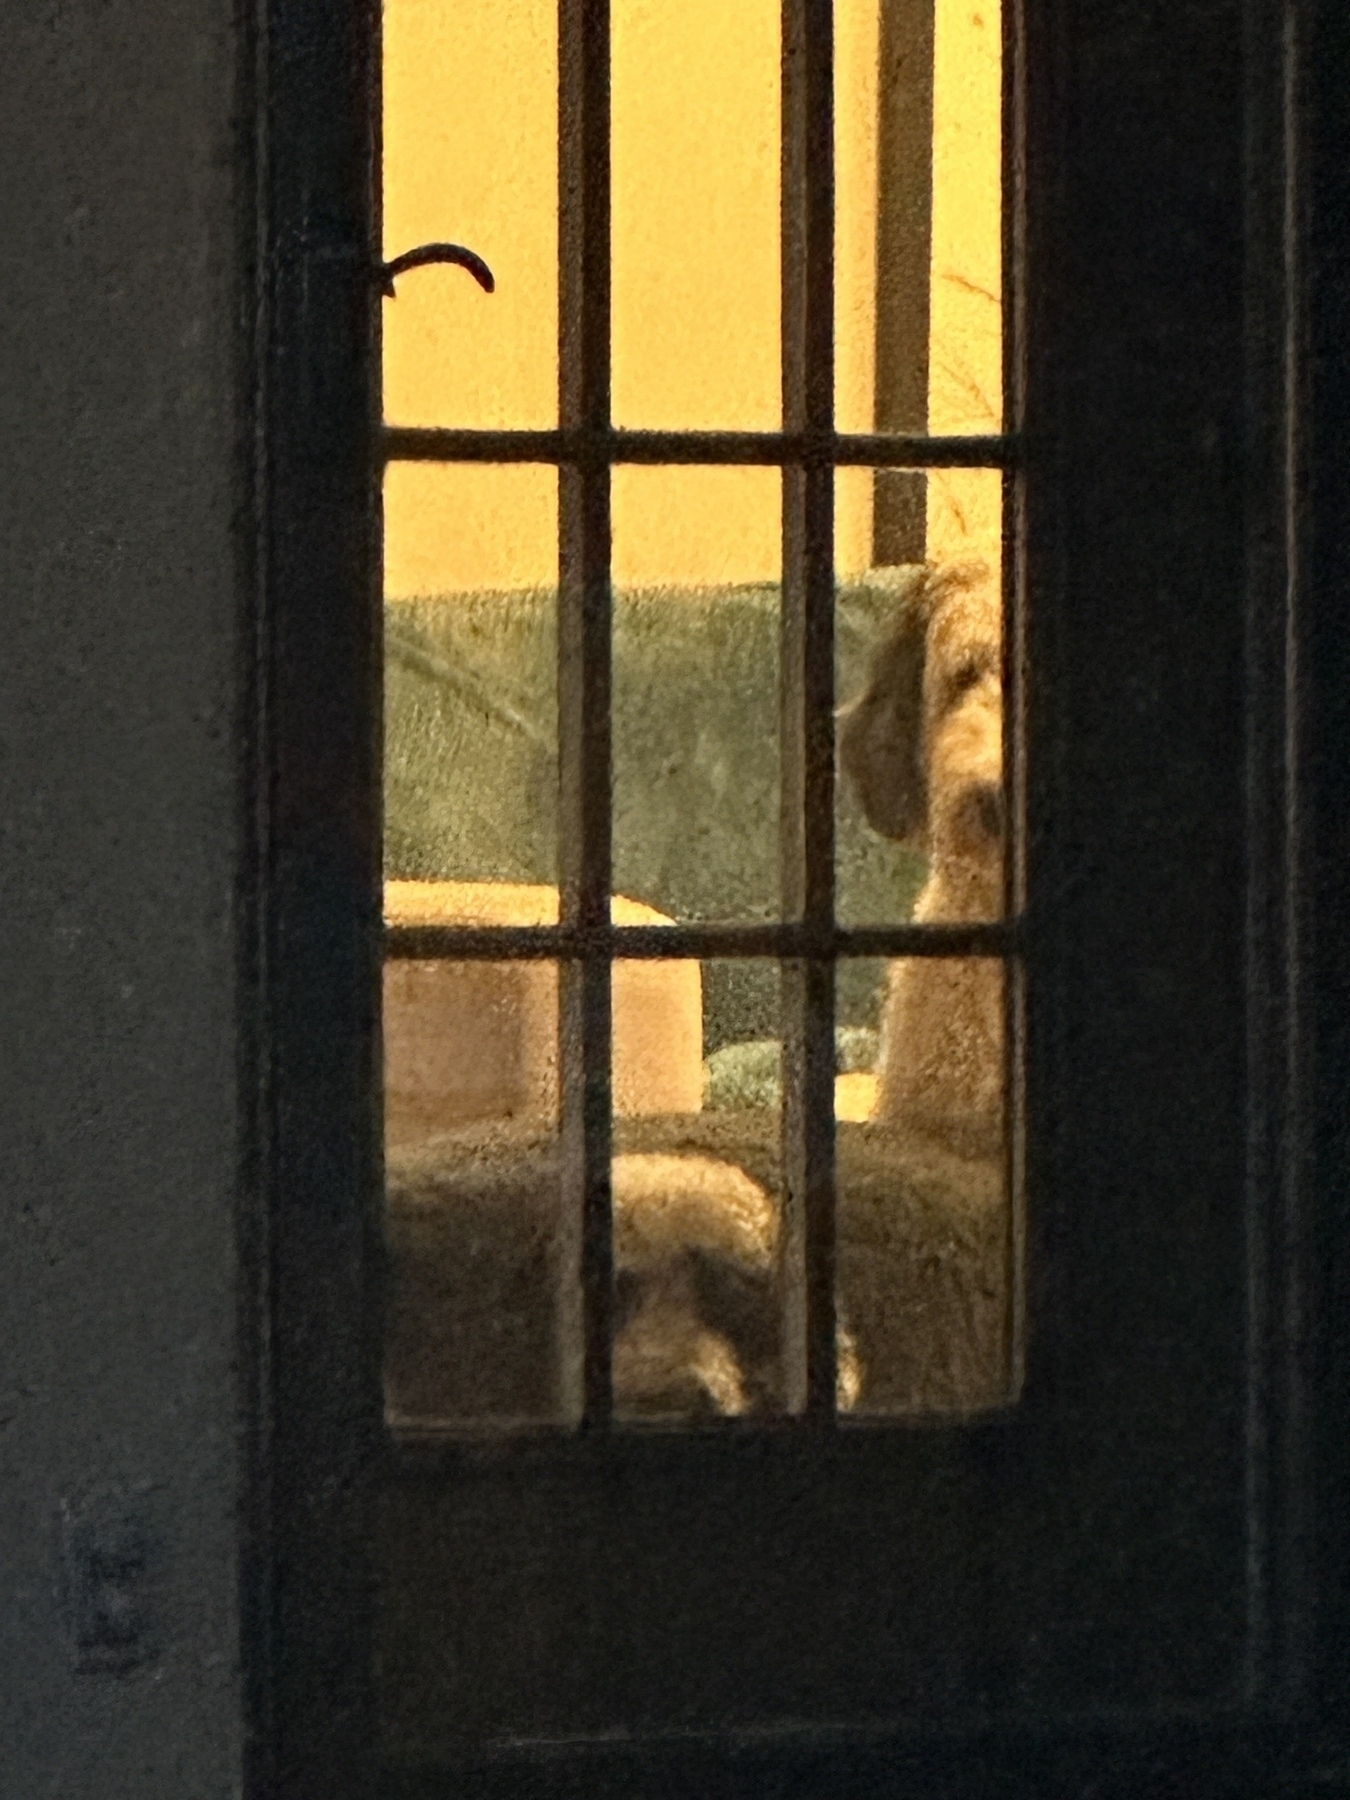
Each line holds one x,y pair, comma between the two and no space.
679,1221
479,1256
476,1250
475,1220
923,744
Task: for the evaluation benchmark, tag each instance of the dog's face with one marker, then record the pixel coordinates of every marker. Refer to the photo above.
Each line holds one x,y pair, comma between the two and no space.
923,742
695,1252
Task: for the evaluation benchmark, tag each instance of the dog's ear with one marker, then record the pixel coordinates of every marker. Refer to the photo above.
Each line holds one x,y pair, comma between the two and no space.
881,732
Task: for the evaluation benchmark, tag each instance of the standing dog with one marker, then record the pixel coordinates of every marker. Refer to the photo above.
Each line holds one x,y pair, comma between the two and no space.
923,744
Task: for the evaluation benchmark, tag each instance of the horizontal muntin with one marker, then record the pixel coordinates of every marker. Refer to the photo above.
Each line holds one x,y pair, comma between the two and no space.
434,1448
764,449
661,943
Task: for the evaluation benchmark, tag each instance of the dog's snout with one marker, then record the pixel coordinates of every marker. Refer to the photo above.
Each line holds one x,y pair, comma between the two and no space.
987,808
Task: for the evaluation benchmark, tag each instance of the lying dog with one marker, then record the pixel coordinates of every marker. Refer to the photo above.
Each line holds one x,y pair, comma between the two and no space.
923,744
695,1243
478,1256
475,1329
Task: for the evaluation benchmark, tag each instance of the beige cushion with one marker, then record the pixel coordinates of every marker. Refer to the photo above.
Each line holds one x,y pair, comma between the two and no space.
479,1040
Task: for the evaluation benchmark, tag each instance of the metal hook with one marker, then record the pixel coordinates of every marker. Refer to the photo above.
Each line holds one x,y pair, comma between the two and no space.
436,253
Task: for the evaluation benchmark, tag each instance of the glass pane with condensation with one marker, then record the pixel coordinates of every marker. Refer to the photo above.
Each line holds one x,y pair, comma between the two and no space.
471,156
697,1190
696,105
922,818
470,654
924,1221
476,1249
477,1256
696,623
918,227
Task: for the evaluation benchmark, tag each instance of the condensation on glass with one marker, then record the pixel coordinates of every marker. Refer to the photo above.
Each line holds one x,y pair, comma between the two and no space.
470,653
919,652
697,1193
471,155
487,1274
923,1268
475,1250
696,243
696,560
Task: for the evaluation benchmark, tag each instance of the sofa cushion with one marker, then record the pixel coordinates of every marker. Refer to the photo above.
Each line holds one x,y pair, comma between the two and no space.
471,772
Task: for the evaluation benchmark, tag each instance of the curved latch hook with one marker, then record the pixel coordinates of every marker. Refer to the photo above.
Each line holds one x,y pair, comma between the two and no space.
436,253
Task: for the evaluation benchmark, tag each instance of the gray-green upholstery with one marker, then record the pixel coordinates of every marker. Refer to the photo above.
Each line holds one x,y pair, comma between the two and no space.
471,777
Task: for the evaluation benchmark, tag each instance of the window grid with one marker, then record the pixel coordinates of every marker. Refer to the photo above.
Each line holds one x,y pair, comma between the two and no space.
764,449
808,942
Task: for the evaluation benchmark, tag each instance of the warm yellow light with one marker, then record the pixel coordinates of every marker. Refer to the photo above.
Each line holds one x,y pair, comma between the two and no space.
471,154
965,388
695,119
468,527
693,527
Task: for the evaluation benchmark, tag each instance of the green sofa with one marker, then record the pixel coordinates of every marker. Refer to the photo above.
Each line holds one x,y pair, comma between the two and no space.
471,772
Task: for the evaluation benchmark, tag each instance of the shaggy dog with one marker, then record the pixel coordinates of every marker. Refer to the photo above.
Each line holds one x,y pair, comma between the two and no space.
923,744
474,1237
679,1220
478,1255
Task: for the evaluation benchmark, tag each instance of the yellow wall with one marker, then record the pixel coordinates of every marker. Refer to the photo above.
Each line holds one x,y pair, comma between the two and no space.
470,153
965,343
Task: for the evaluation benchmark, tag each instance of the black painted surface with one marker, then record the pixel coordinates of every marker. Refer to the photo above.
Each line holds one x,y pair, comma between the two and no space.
1325,101
317,689
1128,1532
930,1605
1088,1550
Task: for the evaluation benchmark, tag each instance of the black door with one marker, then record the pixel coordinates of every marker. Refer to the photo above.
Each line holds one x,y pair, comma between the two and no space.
1101,1560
